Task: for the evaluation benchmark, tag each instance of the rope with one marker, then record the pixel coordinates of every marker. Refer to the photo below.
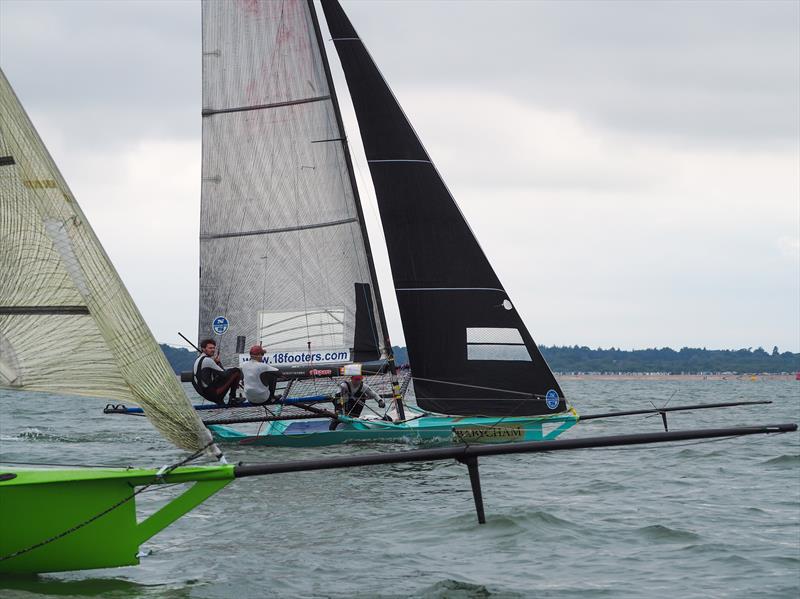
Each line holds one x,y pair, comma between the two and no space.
159,477
68,465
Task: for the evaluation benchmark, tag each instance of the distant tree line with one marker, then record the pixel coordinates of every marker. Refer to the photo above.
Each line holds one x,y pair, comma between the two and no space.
180,358
584,359
666,359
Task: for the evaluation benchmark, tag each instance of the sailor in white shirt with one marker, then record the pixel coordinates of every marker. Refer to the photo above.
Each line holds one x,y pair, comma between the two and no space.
259,378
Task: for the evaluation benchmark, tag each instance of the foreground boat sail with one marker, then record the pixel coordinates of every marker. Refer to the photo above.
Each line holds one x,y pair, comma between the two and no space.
58,285
285,258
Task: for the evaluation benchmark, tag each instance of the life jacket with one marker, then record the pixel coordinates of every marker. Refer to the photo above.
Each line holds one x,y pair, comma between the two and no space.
353,398
200,385
358,394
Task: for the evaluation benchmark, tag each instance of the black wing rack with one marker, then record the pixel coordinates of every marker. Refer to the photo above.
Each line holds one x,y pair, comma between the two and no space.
663,410
469,454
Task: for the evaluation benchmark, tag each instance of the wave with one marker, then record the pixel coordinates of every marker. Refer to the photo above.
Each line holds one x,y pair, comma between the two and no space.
538,519
459,589
785,560
701,453
603,486
88,587
658,532
39,436
785,460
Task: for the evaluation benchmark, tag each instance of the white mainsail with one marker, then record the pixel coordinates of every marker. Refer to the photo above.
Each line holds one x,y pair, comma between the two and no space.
284,260
67,323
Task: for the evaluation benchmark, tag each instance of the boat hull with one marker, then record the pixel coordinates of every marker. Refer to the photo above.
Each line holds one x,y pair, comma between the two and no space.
59,520
427,430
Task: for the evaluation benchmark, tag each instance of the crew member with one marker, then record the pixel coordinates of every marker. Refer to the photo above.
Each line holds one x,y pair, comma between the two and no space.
210,379
259,378
351,397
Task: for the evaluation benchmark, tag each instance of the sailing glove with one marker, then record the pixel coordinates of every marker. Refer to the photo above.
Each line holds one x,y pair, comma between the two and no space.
381,403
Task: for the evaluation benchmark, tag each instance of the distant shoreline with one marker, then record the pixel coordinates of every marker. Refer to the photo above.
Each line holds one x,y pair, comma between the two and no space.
639,376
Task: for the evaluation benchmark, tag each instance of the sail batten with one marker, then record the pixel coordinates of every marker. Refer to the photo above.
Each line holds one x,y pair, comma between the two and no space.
335,223
213,111
44,310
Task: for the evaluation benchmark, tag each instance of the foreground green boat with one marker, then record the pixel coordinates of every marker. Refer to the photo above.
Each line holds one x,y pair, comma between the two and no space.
57,520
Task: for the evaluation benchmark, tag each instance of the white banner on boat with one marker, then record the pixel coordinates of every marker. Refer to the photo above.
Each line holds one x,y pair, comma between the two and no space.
296,358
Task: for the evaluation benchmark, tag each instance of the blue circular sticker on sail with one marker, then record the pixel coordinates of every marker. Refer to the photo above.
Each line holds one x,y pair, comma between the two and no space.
220,325
551,399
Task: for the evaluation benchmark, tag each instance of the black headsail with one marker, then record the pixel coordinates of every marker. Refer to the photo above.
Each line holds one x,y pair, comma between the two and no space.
470,352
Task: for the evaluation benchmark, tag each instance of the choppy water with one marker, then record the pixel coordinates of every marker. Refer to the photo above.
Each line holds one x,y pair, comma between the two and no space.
708,519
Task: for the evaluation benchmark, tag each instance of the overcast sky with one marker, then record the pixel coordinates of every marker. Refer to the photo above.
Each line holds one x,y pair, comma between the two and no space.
632,169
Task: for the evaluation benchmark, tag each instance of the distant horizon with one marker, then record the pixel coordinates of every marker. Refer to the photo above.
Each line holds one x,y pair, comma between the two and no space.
598,348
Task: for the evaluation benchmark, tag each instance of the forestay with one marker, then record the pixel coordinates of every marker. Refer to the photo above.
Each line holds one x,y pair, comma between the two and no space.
67,323
283,257
468,347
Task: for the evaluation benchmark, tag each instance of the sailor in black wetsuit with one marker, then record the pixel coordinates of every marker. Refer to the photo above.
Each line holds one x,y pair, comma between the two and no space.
351,397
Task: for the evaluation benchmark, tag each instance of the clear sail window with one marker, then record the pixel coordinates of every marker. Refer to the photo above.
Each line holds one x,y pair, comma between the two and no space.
324,327
491,343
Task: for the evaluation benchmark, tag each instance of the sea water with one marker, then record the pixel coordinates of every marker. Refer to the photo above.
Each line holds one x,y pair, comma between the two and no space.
694,519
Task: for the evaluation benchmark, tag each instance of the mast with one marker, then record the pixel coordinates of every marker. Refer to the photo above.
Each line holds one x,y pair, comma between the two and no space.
398,398
351,175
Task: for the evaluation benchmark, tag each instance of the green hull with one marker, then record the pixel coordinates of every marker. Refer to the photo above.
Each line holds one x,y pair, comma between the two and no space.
428,430
57,520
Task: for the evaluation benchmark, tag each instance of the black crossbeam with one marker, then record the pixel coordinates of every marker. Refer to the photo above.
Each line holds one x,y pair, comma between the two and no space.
699,406
468,454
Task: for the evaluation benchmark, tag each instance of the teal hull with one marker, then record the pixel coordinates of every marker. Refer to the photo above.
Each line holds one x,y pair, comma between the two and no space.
427,430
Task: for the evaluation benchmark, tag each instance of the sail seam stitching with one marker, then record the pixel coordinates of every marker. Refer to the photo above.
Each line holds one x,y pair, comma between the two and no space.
522,344
401,160
448,289
418,378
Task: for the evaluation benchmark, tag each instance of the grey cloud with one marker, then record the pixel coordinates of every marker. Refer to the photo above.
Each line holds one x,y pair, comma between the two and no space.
133,67
724,70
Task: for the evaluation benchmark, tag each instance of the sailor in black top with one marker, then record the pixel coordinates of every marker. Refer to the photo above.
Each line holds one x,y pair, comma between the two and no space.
212,381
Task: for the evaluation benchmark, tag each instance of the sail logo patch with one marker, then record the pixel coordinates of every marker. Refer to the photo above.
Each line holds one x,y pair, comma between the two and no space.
489,434
551,399
220,325
288,358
